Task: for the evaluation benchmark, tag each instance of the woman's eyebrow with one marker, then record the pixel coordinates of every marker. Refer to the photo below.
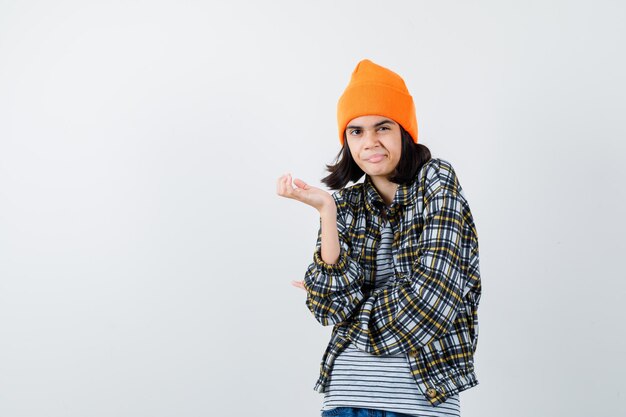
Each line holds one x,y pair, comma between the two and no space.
382,122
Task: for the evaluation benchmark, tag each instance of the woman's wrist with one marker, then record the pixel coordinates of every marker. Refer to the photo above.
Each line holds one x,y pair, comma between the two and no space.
328,209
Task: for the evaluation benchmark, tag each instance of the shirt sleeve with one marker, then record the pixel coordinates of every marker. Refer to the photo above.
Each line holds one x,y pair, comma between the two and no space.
334,290
421,306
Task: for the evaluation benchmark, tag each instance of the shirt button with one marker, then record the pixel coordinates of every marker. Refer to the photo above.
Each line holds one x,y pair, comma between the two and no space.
431,392
413,352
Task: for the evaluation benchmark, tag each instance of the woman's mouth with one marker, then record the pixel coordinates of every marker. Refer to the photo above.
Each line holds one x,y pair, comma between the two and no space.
376,158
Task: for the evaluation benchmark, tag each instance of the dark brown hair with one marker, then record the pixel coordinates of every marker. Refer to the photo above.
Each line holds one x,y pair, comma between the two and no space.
413,156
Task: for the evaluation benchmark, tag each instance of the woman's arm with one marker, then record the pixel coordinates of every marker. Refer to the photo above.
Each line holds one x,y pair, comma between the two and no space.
333,280
330,235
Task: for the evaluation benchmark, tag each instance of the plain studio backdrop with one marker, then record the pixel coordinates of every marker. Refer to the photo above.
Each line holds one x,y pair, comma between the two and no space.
146,258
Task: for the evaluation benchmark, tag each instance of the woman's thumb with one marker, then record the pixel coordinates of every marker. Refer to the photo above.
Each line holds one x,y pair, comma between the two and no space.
301,184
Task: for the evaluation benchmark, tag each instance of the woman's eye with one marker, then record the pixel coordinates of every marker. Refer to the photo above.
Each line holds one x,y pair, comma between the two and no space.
352,132
384,127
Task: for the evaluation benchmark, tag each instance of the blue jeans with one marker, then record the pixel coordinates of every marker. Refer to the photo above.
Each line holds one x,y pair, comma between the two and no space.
359,412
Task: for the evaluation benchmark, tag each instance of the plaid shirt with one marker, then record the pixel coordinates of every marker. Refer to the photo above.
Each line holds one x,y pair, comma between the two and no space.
429,311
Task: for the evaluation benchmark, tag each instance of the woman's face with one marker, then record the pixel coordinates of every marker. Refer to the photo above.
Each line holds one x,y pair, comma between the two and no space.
375,143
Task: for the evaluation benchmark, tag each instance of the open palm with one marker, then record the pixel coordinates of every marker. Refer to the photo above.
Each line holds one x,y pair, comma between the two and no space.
305,193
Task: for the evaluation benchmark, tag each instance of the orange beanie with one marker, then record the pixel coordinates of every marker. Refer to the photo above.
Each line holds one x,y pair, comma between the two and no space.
376,90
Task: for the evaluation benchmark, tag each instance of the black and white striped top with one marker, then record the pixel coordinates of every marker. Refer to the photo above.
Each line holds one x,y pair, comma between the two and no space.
382,382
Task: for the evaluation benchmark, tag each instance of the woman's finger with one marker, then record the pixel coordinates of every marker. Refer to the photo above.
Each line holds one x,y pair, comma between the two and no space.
282,186
299,284
290,183
288,186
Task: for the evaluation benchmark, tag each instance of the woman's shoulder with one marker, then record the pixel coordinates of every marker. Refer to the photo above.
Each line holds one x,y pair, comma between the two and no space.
437,175
350,195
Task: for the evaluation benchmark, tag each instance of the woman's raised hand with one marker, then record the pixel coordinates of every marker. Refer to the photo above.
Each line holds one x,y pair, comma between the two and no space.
313,196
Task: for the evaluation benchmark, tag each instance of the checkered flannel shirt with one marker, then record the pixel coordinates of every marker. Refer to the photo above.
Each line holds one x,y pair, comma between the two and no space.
429,310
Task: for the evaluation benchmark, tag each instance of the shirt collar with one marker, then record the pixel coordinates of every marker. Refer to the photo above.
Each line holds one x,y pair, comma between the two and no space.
405,195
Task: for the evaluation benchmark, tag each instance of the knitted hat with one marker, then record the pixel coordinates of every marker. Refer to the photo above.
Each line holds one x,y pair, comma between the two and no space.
376,90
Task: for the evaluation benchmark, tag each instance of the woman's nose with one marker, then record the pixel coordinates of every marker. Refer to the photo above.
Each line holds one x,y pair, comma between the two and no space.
370,138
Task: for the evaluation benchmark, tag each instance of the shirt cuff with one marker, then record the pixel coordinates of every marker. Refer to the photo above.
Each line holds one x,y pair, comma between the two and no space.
331,269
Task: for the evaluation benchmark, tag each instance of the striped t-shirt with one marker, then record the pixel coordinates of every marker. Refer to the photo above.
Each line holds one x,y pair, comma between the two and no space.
382,382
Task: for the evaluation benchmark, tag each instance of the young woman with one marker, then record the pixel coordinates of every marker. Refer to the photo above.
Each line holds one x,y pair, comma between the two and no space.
395,269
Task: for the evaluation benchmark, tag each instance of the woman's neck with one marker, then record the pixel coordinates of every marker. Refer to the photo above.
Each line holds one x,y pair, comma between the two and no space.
385,188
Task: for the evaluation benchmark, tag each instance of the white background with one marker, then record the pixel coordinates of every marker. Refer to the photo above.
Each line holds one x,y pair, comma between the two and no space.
146,259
